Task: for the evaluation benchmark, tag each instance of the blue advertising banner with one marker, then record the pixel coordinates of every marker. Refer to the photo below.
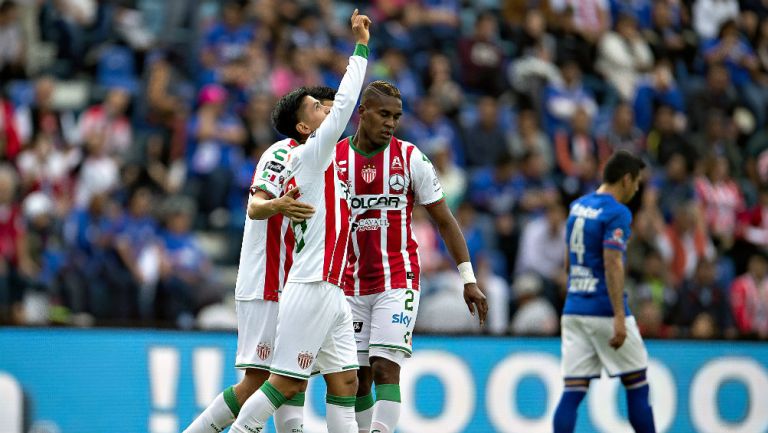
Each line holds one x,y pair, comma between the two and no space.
125,381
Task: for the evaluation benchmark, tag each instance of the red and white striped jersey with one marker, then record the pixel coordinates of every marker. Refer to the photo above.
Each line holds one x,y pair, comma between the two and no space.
266,253
321,241
384,187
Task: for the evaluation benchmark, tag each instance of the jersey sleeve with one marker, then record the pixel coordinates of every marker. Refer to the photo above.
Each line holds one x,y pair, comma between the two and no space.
424,181
271,171
319,149
617,231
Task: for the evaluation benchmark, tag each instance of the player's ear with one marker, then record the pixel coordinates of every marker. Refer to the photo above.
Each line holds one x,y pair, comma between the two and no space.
303,128
361,109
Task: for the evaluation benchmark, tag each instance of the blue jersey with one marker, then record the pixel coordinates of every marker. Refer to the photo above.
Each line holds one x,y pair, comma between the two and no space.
596,221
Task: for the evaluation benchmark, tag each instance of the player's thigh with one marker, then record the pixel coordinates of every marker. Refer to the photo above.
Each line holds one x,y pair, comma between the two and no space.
362,308
392,322
304,319
256,327
579,357
338,352
628,358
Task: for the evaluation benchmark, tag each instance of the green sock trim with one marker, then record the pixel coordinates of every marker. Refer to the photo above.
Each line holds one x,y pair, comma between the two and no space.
341,401
275,397
297,400
364,403
388,392
361,50
231,400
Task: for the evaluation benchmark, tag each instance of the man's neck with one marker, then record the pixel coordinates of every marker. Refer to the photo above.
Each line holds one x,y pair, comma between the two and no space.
363,144
610,190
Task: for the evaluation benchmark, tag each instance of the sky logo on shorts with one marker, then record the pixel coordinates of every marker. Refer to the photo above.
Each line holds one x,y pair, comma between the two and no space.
263,350
305,360
402,318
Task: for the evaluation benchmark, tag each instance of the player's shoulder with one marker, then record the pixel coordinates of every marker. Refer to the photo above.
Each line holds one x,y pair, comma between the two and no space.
344,143
286,144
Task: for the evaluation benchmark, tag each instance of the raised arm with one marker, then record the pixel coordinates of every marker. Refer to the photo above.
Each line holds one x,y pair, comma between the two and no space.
320,146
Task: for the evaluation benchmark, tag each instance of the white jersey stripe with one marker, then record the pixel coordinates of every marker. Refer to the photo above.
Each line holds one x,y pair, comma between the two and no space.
383,231
404,220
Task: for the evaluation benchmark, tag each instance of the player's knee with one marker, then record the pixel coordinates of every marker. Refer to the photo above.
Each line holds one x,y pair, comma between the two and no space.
287,386
342,384
385,371
634,380
364,379
576,384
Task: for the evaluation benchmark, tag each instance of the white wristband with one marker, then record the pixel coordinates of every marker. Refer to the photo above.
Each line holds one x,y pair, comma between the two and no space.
467,275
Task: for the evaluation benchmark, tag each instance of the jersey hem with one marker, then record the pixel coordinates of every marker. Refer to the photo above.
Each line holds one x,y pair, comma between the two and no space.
392,347
254,366
262,188
289,374
258,298
435,203
379,290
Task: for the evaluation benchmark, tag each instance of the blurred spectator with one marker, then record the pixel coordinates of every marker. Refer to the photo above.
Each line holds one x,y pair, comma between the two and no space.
16,267
578,146
228,38
623,55
12,43
185,276
562,100
749,298
542,241
44,242
98,173
498,292
441,85
42,167
653,285
709,15
494,189
589,18
42,116
215,146
258,125
534,67
310,34
664,138
701,296
534,315
485,138
671,186
752,227
721,201
395,68
108,124
736,53
666,36
685,242
716,95
622,134
295,68
535,188
718,139
482,58
64,22
10,140
529,138
471,227
453,178
658,88
431,129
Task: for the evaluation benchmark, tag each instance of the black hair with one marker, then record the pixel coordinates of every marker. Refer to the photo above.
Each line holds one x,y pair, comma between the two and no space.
322,93
620,164
7,6
380,88
285,115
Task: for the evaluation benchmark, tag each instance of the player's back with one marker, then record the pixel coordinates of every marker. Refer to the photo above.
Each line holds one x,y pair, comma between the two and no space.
266,252
596,221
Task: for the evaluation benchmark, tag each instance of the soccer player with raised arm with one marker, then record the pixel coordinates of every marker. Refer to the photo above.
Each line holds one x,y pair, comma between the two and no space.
598,330
265,258
386,178
314,321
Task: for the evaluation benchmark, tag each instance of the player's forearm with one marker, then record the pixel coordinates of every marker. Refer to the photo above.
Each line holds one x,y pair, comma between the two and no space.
454,240
343,105
260,208
614,278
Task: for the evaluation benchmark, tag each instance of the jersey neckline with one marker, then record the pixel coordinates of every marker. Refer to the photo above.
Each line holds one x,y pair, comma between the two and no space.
366,154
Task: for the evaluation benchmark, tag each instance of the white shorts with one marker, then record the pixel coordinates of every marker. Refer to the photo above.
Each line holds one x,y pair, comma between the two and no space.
314,331
586,350
256,324
384,324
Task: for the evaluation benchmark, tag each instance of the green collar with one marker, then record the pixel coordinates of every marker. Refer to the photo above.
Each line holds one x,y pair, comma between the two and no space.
365,154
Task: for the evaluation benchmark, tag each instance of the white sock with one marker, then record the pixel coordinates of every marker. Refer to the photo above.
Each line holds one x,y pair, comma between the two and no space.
386,411
340,414
217,416
258,409
289,418
364,413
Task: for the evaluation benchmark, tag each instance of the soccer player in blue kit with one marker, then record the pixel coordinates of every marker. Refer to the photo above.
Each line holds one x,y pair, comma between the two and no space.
598,330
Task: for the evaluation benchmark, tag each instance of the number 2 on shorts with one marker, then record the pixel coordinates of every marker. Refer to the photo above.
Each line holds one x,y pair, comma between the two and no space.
409,300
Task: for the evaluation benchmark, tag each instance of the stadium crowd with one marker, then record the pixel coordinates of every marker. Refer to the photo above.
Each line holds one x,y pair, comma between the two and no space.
130,130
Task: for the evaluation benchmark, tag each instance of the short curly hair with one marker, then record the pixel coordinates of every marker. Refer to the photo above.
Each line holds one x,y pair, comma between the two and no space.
322,93
285,115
